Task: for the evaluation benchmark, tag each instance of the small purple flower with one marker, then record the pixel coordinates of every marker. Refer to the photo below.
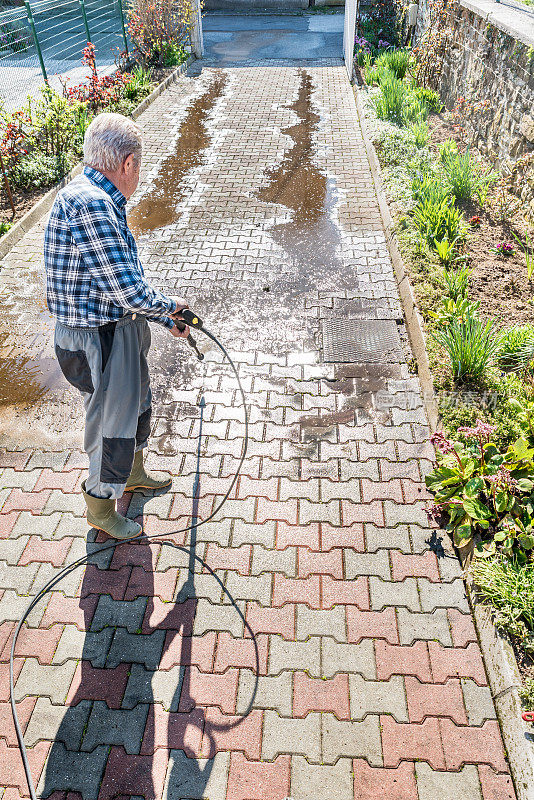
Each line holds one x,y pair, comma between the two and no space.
504,249
481,431
441,443
383,43
503,479
434,512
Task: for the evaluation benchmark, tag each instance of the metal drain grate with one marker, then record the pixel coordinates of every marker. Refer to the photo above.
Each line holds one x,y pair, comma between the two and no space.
361,341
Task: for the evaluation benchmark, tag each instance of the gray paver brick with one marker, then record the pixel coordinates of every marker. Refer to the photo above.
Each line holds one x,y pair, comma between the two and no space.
134,648
118,613
211,617
283,735
70,645
273,691
254,587
115,726
447,785
367,564
46,681
378,697
76,772
57,724
391,593
442,595
311,622
294,655
284,561
196,777
336,657
19,579
42,526
320,780
413,626
387,538
478,702
356,739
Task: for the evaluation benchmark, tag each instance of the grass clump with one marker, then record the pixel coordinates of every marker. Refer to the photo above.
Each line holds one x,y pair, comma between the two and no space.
517,348
389,103
471,345
396,61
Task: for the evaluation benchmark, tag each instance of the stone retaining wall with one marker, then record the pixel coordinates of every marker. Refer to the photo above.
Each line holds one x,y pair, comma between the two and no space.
490,58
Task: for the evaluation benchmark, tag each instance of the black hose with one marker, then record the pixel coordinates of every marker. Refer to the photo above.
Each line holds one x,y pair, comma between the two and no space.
80,561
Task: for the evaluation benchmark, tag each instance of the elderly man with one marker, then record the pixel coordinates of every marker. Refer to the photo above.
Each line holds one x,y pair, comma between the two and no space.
97,291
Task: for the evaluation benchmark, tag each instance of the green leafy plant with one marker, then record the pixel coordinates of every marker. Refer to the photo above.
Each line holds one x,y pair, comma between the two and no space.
139,83
461,175
447,252
5,226
458,309
396,61
508,586
421,133
471,345
526,692
428,187
430,98
437,221
39,169
483,491
516,352
447,149
415,110
529,254
389,103
457,282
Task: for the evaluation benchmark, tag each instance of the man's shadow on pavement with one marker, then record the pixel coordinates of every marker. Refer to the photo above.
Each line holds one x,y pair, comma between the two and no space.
110,743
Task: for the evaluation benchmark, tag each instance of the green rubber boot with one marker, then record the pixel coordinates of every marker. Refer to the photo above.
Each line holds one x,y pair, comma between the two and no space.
141,479
101,514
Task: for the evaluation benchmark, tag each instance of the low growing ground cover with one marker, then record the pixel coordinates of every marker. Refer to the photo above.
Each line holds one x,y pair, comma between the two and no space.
469,251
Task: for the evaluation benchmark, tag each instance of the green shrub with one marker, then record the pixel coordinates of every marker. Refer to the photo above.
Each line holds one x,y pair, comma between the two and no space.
517,348
172,54
39,170
437,221
458,309
396,61
426,187
457,282
471,345
421,133
5,226
508,586
389,103
430,98
415,110
526,693
447,149
139,85
461,175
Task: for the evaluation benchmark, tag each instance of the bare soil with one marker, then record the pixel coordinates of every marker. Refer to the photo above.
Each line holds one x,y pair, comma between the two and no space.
499,282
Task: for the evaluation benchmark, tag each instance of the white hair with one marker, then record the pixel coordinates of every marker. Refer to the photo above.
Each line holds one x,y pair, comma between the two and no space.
109,140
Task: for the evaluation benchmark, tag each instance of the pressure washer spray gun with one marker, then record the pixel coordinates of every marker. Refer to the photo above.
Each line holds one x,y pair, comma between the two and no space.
194,321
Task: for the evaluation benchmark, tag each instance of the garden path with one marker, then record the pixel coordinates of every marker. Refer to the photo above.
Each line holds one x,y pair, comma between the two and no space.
139,680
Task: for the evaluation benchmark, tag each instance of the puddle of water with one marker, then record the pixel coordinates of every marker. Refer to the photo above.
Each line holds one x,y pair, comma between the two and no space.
310,237
157,208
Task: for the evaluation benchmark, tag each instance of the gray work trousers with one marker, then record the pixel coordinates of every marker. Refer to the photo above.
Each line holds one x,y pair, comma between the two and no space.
108,365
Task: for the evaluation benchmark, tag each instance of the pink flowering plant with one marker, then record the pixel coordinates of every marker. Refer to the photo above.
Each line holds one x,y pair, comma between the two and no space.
483,494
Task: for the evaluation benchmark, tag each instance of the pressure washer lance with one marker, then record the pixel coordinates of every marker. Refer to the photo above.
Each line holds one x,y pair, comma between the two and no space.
191,319
194,322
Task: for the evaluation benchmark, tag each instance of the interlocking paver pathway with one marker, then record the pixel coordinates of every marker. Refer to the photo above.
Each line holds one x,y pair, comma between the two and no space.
136,678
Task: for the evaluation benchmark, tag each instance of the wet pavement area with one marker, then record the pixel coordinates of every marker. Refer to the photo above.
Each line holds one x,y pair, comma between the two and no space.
137,678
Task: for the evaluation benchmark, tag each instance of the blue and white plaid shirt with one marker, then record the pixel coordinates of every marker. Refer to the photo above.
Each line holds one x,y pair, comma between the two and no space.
93,272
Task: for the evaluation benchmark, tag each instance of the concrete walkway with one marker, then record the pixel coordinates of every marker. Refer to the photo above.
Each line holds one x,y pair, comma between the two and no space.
136,679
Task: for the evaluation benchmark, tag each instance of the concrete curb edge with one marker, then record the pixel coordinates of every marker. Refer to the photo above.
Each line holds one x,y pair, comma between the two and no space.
499,658
15,234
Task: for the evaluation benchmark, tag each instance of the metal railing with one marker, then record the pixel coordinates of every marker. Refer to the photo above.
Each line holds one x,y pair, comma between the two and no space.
42,41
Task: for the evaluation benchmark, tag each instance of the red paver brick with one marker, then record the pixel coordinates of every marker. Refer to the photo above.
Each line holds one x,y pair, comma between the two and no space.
189,650
393,783
210,690
53,552
105,581
271,620
17,459
371,625
316,694
6,632
392,659
435,700
407,742
346,536
172,616
181,509
311,563
134,775
7,728
173,730
381,490
470,745
154,526
26,501
291,535
414,491
4,678
462,628
362,512
297,590
7,522
457,662
258,780
11,769
354,592
38,642
66,481
418,566
235,558
70,610
233,652
138,553
223,732
285,511
91,683
495,785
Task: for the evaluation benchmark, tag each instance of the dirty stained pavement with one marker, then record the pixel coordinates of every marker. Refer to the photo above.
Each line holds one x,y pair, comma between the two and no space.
137,677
